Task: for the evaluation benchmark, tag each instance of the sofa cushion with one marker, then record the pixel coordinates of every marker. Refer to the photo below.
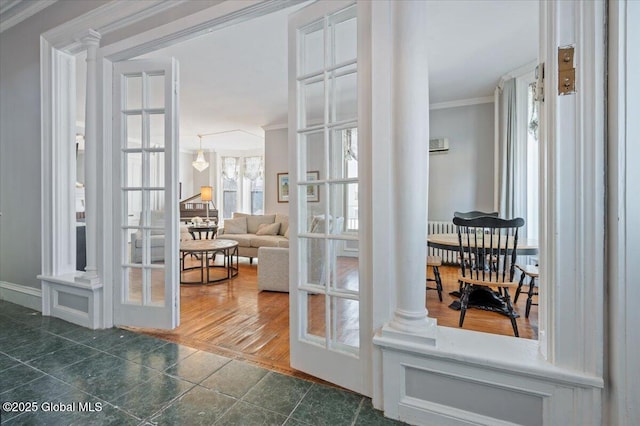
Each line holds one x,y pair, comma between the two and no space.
236,226
266,240
254,221
283,220
268,229
243,240
156,241
283,243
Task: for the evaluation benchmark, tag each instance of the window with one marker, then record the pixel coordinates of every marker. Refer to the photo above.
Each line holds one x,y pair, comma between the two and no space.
229,186
242,183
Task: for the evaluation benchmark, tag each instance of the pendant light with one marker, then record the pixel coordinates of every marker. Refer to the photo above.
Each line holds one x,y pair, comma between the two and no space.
200,164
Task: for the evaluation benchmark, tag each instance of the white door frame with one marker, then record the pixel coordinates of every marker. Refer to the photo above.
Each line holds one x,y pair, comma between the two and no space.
57,47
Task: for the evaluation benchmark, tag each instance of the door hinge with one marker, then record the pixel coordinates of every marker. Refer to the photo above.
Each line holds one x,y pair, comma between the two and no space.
539,84
566,71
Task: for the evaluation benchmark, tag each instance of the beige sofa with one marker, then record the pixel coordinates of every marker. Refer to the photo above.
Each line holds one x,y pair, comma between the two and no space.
255,231
156,239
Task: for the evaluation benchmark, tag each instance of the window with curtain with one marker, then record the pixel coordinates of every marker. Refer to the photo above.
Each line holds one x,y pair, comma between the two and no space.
253,173
242,182
229,186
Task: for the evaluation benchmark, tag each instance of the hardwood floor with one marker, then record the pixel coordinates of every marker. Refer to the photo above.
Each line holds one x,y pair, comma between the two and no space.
234,319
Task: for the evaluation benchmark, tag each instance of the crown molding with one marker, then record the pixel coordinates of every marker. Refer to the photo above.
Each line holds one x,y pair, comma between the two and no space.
518,72
25,9
278,126
462,103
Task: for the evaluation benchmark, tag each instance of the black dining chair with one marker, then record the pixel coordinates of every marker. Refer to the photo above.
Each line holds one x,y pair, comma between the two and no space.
474,214
493,242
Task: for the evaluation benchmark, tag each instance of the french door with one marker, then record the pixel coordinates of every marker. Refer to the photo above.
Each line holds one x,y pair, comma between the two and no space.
328,335
145,116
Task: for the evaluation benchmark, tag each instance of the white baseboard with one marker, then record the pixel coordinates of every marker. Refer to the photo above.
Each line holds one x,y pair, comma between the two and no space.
22,295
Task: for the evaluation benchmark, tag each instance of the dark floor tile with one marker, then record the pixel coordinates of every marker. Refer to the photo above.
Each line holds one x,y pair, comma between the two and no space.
20,335
278,393
243,414
16,376
39,391
101,339
164,356
105,376
197,367
150,397
369,416
45,345
324,405
94,413
14,311
58,326
6,362
235,378
295,422
63,358
136,347
199,406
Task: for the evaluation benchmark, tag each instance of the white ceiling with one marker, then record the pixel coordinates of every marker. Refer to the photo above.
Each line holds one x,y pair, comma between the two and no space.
234,80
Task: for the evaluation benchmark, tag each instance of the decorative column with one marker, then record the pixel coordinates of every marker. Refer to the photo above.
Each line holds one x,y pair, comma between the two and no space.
410,169
92,41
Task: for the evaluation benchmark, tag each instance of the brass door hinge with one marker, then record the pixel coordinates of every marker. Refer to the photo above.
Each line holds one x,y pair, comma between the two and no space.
566,71
538,94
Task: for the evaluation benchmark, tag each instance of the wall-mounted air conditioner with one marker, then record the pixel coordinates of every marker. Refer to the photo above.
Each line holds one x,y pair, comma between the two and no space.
438,145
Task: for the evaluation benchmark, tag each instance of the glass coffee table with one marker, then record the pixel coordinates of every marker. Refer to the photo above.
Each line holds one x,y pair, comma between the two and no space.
206,251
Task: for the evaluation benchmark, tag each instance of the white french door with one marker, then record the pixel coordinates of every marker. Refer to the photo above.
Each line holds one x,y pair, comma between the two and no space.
145,117
328,335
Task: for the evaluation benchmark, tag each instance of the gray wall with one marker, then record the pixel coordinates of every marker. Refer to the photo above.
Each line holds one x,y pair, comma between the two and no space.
462,178
276,160
20,189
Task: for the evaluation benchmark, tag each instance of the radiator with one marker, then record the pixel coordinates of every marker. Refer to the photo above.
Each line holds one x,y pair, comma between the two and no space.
436,227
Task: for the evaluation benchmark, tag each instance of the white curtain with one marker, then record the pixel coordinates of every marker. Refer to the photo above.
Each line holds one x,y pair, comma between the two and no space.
512,156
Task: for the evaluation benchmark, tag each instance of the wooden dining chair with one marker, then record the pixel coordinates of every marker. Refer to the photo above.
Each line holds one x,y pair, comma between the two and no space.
488,239
469,258
531,272
474,214
435,262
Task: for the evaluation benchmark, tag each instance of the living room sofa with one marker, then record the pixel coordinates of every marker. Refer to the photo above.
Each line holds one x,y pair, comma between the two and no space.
255,231
156,239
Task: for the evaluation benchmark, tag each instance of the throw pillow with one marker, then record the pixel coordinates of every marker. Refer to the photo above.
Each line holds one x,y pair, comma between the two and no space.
286,234
268,229
255,220
235,226
283,219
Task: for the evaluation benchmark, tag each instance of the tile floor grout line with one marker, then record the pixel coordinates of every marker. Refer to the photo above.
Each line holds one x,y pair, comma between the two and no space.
355,419
300,401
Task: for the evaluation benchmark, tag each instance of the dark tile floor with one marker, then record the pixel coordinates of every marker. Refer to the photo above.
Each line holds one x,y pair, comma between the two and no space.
58,373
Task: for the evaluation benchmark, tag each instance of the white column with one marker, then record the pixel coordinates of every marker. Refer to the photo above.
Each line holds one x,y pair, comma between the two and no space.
410,168
91,40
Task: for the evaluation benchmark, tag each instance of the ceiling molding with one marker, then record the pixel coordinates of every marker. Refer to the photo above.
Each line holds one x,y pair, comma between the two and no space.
278,126
208,20
518,72
462,103
16,11
104,19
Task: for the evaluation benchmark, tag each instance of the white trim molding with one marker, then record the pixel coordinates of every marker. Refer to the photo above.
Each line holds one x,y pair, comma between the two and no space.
462,103
86,309
277,126
22,295
16,11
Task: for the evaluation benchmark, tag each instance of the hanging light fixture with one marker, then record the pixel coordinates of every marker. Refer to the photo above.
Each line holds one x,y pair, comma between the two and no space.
200,164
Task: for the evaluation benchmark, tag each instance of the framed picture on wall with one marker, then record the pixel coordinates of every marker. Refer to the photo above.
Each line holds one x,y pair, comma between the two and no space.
313,191
283,187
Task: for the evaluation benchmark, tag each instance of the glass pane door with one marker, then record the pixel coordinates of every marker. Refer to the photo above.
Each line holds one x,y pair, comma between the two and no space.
146,202
326,311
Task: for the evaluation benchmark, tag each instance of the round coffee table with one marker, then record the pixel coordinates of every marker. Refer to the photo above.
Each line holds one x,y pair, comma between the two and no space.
206,250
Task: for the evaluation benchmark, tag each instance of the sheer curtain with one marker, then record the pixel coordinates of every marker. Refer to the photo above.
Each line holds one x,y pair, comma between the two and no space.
512,156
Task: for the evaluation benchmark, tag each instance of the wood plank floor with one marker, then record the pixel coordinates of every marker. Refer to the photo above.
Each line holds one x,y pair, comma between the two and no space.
234,319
